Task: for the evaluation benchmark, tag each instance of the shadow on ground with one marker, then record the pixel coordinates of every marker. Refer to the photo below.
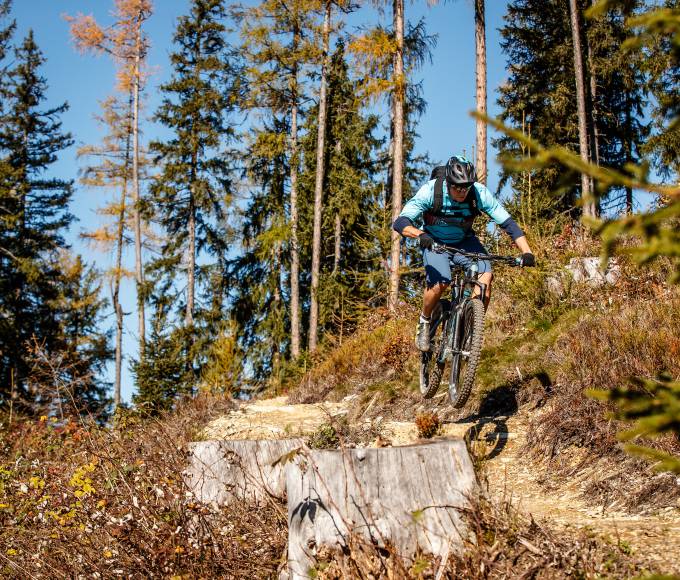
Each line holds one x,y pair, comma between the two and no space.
498,405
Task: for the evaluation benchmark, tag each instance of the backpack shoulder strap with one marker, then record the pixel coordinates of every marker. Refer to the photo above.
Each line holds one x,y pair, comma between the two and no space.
438,174
438,195
473,201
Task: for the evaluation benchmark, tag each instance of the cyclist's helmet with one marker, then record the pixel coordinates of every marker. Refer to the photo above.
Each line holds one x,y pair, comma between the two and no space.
460,171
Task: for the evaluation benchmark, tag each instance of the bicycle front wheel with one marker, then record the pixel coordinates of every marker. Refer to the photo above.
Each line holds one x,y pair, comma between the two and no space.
464,363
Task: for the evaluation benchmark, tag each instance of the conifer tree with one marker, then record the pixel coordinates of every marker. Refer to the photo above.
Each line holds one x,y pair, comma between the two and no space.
6,32
318,182
540,96
258,307
193,192
356,217
352,201
278,43
580,78
126,42
375,53
35,214
480,88
161,370
398,97
82,345
111,168
662,64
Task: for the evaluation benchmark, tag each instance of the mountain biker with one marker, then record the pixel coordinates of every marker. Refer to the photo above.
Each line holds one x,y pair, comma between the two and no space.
448,220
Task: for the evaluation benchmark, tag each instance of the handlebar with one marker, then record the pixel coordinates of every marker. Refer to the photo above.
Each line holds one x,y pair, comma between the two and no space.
508,260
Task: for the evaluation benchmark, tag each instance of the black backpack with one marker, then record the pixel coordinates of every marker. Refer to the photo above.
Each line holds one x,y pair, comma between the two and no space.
436,215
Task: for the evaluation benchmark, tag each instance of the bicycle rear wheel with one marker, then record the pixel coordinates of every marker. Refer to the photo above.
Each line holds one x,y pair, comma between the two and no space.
431,370
464,363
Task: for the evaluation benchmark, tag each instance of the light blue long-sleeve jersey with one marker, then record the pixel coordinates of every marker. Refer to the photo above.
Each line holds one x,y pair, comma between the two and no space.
423,201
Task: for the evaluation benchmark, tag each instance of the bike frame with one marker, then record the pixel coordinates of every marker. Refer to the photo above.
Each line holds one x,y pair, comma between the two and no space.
462,289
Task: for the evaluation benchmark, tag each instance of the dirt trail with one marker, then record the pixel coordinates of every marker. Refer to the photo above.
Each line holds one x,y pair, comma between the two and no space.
507,471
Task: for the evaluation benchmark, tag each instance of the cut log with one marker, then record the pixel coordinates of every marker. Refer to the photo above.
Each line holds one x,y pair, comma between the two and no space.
221,472
405,498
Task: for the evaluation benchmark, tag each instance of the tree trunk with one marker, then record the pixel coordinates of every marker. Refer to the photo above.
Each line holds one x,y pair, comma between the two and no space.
579,73
628,144
398,152
136,197
294,248
480,64
409,497
337,235
191,266
276,265
119,266
592,100
225,472
318,187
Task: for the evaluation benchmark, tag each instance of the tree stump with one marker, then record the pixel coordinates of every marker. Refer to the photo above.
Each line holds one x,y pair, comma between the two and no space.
221,472
404,498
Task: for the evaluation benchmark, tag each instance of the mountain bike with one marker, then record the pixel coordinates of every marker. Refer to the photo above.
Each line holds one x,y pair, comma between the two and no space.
457,329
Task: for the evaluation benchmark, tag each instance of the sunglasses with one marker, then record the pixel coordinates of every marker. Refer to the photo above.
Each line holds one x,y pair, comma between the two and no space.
460,188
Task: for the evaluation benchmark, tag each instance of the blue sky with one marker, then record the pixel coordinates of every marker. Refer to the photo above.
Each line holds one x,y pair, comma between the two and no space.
84,80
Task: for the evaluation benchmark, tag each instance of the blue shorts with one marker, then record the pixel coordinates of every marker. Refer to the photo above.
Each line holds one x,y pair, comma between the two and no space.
438,269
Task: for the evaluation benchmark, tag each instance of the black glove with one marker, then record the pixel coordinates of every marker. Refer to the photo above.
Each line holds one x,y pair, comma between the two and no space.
528,260
426,241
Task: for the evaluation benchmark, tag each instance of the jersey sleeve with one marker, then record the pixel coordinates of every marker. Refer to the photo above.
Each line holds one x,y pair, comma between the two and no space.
490,205
421,202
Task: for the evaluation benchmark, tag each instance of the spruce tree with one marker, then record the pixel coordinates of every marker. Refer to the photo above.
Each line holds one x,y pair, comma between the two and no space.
192,194
278,44
82,344
352,200
540,99
35,214
161,371
662,64
6,32
258,300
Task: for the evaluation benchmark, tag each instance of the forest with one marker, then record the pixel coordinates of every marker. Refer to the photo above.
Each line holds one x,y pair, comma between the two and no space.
255,232
299,216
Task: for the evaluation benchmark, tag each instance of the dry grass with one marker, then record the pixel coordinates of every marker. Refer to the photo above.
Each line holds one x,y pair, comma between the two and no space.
78,500
503,544
602,352
380,351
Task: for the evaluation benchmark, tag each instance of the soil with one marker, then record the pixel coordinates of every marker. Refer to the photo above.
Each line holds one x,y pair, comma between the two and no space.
507,473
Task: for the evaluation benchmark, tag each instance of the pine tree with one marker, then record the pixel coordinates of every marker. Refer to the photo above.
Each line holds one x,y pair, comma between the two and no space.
111,168
279,44
83,347
192,194
35,214
126,42
540,98
352,201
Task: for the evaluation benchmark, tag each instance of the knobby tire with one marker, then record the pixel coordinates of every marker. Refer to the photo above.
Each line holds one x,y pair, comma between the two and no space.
460,387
